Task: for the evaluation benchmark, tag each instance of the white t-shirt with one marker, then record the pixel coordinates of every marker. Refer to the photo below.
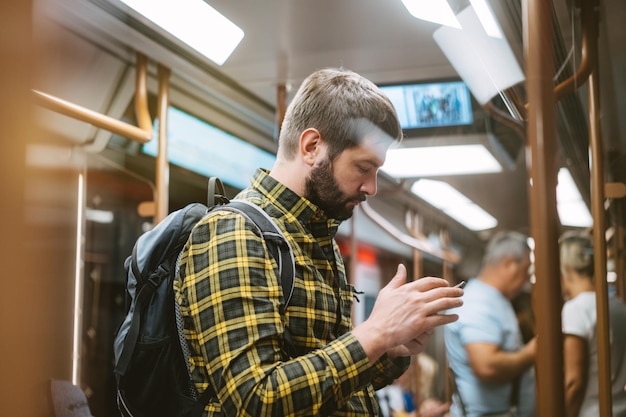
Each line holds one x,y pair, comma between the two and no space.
579,319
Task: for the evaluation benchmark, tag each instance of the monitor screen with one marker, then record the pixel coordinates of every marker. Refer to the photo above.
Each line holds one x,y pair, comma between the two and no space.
433,104
198,146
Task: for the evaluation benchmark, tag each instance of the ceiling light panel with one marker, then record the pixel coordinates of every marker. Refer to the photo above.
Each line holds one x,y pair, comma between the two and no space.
195,23
485,63
454,204
435,11
429,161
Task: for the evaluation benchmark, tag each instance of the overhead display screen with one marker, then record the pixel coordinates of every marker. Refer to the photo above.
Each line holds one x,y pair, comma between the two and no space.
434,104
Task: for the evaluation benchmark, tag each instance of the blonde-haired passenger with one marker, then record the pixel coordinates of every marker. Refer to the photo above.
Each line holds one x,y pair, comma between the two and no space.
579,331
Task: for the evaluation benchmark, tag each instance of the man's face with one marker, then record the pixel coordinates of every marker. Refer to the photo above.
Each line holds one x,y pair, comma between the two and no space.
522,273
338,186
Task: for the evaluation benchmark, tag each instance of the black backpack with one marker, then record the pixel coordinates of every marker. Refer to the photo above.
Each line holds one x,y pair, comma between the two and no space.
151,353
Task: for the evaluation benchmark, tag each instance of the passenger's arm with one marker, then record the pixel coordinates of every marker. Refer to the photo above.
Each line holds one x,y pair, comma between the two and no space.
576,357
491,364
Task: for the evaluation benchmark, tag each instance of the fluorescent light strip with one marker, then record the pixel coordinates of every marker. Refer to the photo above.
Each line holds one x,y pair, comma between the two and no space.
487,19
78,283
435,11
570,206
454,204
99,216
195,23
439,11
440,160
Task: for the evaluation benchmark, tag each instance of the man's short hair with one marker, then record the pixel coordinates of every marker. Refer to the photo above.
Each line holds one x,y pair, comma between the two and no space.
506,244
336,101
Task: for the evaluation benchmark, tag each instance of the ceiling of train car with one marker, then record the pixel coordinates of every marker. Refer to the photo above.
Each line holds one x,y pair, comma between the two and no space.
286,40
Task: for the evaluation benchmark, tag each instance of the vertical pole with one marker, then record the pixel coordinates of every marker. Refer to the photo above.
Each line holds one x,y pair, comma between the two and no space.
141,94
416,230
162,164
543,215
281,105
618,250
599,241
447,275
444,237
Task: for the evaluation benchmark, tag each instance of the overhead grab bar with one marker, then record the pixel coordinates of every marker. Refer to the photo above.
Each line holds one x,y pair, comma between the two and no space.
141,134
141,96
589,30
408,240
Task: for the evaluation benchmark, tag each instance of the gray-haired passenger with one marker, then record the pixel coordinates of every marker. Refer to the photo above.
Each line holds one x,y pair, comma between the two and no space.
493,370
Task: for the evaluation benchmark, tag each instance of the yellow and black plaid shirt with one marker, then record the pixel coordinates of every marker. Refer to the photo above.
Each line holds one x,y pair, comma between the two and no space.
231,310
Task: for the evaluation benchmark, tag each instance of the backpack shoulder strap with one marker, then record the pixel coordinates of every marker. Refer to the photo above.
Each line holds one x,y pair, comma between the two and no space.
279,248
278,245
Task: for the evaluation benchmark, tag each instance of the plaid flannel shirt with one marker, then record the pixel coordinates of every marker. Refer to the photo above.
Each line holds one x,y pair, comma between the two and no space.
231,311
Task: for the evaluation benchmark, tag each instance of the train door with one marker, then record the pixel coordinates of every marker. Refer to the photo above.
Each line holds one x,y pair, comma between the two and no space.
112,224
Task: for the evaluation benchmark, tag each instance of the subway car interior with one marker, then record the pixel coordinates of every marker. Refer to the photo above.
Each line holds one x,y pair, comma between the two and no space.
512,113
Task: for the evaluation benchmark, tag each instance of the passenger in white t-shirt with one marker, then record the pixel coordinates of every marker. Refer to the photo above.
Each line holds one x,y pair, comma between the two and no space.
579,331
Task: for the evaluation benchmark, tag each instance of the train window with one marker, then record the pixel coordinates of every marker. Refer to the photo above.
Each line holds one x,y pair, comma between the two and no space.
200,147
112,225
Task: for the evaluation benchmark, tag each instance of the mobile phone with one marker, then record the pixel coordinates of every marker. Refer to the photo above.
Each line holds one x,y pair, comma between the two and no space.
460,284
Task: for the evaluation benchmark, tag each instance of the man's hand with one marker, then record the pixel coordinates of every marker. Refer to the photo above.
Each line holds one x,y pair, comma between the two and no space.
405,314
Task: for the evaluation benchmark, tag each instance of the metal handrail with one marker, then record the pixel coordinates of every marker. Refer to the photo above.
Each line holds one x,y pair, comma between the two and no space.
599,242
589,31
544,221
142,133
162,164
421,245
589,34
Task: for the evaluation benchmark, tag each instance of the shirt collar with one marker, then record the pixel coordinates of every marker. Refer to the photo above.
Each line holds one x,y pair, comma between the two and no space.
290,202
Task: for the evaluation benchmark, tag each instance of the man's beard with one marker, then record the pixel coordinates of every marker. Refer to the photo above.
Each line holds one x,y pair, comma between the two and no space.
323,191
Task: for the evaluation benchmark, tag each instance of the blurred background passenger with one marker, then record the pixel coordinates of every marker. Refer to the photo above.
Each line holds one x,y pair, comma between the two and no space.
412,394
522,304
492,367
398,398
579,329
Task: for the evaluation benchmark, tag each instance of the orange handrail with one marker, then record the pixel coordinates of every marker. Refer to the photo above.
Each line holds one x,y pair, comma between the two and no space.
162,164
421,245
142,134
589,30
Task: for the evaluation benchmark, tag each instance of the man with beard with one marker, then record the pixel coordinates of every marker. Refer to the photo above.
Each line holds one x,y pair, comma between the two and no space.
333,140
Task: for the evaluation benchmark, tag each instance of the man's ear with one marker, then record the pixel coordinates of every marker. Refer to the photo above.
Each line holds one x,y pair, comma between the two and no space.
310,145
510,264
